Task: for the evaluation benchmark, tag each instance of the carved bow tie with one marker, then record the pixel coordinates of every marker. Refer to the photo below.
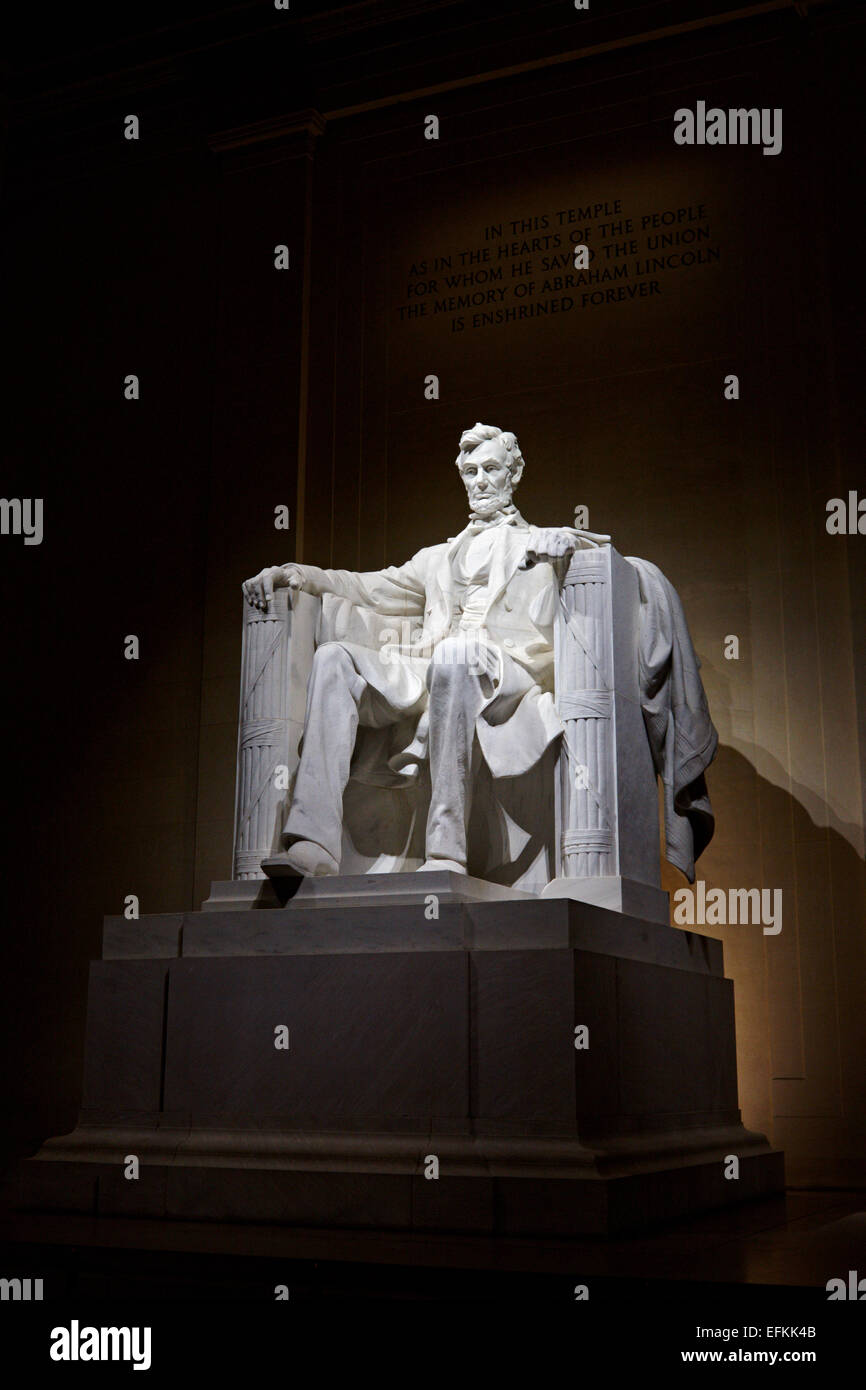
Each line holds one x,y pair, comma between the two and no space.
478,523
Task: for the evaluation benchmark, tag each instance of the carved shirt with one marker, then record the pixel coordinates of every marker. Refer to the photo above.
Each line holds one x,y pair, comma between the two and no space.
471,565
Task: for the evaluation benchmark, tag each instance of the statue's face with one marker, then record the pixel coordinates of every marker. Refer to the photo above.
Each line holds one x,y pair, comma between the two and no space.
487,478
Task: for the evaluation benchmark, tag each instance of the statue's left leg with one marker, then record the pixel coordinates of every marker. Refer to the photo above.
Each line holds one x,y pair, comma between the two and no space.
459,685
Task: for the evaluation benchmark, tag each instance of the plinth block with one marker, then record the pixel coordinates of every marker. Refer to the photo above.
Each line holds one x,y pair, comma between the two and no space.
514,1067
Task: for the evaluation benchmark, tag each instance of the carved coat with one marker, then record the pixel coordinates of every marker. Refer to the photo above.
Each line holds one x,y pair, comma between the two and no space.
408,609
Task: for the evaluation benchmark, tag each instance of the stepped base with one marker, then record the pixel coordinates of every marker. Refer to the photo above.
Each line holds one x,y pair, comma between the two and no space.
514,1067
615,893
489,1186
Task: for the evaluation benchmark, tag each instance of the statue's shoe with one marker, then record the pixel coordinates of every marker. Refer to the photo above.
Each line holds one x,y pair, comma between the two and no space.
437,865
304,859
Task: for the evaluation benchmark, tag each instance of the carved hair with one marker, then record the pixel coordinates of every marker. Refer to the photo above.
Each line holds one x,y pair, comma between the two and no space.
479,434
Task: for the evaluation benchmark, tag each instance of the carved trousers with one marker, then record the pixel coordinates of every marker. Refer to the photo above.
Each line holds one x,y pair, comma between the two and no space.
459,681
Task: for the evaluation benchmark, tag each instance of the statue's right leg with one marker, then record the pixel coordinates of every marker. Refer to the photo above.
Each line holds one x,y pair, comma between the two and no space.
313,830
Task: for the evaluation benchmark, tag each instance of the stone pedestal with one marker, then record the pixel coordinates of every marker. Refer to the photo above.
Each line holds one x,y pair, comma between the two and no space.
411,1037
616,893
358,890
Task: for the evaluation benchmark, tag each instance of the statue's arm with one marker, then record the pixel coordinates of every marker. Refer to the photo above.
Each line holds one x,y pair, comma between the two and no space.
398,590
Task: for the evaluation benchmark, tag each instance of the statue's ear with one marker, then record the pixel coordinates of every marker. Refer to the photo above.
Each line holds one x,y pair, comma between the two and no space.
516,473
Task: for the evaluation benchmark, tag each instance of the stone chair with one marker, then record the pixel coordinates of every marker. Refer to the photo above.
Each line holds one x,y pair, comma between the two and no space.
583,824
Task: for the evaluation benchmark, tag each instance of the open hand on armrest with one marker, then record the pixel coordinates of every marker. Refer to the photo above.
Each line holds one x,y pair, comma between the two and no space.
260,590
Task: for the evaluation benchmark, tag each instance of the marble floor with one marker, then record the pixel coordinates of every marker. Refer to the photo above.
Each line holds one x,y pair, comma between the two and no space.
789,1245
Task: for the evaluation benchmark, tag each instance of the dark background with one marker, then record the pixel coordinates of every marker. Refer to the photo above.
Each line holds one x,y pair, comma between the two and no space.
303,388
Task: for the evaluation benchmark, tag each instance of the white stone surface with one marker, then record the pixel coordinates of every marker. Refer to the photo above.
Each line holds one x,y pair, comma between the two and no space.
470,681
437,692
363,890
617,894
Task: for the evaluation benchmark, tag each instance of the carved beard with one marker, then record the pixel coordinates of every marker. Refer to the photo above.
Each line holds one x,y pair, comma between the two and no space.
486,505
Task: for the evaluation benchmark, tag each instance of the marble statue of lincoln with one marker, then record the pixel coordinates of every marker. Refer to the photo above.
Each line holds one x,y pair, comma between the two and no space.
474,679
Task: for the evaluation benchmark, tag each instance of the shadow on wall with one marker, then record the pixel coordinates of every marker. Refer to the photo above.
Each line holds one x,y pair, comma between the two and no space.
799,998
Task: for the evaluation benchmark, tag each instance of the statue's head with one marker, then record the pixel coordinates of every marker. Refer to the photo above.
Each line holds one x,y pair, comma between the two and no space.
491,465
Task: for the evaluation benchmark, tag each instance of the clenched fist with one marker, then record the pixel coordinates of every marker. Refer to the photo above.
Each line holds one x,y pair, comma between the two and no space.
547,544
259,591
